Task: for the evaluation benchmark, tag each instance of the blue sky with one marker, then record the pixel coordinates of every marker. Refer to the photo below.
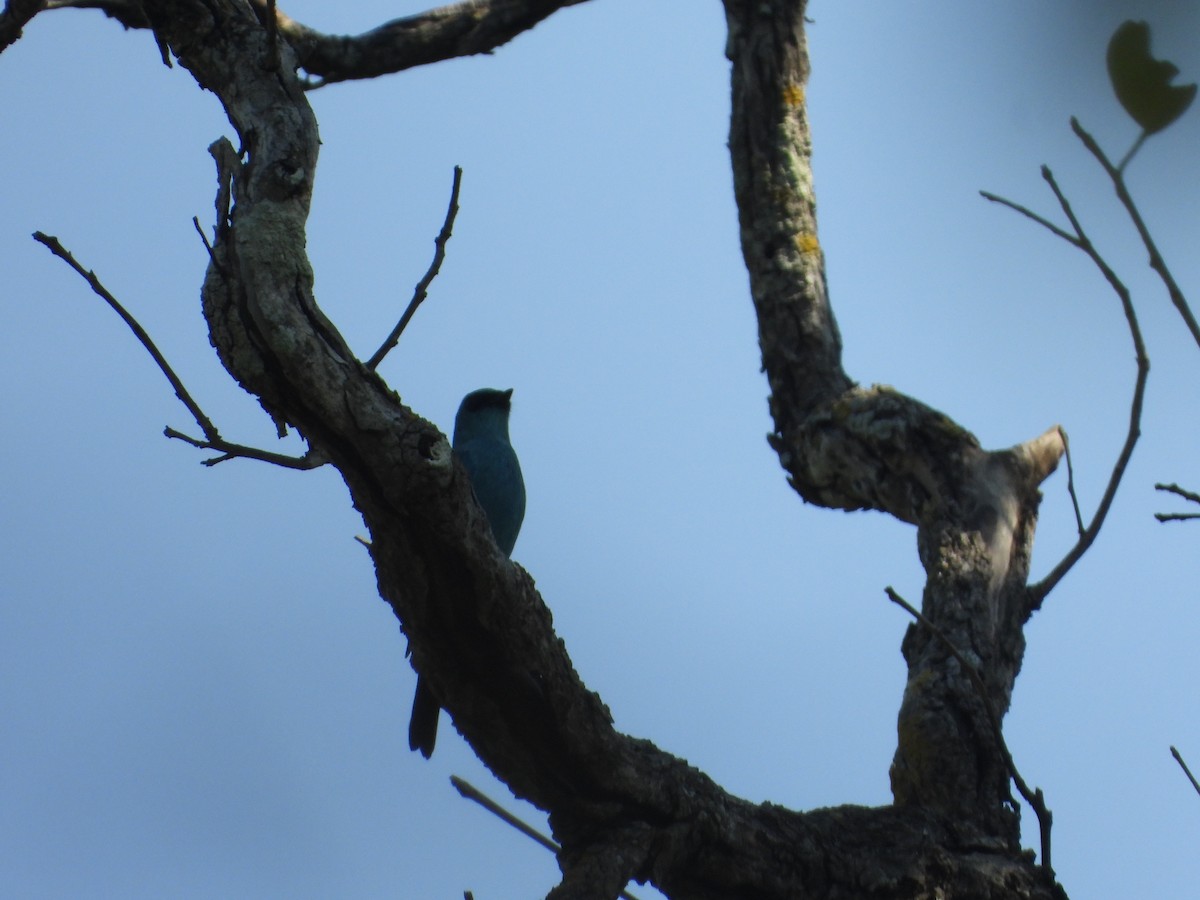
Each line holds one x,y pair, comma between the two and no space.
202,693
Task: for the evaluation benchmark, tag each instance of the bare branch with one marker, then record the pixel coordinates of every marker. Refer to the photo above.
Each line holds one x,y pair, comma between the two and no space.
1071,481
1156,261
313,459
1030,214
1087,536
1188,772
14,17
1181,492
457,29
1035,798
53,245
422,288
471,792
212,438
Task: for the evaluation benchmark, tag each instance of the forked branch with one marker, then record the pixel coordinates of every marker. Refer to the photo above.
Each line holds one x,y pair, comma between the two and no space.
1078,238
212,438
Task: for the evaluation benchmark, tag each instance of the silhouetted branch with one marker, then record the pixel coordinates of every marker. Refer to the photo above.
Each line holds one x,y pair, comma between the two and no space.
212,438
1035,798
1186,770
1071,480
1030,214
1181,492
1080,240
422,288
471,792
15,16
1156,261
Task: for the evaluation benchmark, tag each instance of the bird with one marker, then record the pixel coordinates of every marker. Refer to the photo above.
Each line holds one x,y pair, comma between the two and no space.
481,442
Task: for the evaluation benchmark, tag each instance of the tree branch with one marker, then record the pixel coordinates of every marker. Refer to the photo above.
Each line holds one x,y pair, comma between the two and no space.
1080,240
212,438
14,17
1186,771
458,29
1190,496
422,288
1156,261
1035,798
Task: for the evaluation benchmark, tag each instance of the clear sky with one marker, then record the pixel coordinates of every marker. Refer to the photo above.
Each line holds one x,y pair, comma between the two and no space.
202,694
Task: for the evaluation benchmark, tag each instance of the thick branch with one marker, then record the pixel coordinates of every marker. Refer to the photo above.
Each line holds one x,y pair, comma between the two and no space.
849,447
14,17
458,29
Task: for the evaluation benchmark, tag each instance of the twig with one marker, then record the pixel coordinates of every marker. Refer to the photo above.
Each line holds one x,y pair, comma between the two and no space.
1137,145
54,246
1071,479
422,288
312,459
1080,240
1176,517
1039,591
1178,491
1186,770
212,437
1035,798
1156,261
1030,214
1181,492
471,792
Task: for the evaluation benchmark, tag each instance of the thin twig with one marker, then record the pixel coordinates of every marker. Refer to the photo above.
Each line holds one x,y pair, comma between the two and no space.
1080,240
1030,214
1156,261
55,247
212,438
1071,479
471,792
1035,798
1176,517
422,288
1039,591
312,459
1186,770
204,238
1178,491
1137,145
1181,492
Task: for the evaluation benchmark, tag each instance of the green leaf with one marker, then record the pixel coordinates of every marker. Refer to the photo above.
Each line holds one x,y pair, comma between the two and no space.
1143,83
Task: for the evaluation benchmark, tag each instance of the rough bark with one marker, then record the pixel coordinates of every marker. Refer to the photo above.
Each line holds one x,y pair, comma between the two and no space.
849,447
479,631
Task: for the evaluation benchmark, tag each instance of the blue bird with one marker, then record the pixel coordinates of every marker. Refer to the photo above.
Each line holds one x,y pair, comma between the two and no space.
481,442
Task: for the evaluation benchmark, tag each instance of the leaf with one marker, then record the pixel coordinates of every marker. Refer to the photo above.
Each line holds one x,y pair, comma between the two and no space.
1143,83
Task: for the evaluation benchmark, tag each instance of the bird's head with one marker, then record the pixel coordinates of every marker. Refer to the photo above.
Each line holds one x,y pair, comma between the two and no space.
483,413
